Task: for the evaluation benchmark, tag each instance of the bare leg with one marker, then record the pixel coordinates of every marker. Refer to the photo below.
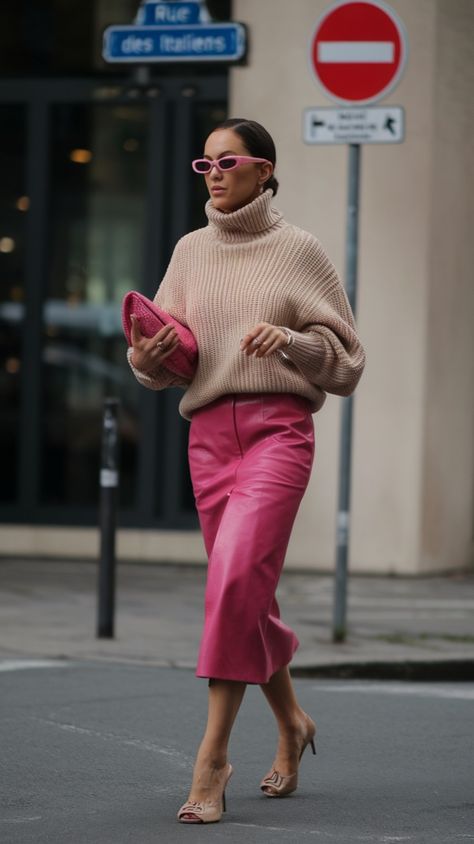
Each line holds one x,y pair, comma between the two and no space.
294,725
225,697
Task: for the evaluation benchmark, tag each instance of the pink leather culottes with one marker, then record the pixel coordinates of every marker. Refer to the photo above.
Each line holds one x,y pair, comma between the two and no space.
250,457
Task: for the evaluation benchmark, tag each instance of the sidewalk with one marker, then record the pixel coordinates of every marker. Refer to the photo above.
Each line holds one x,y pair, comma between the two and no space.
419,628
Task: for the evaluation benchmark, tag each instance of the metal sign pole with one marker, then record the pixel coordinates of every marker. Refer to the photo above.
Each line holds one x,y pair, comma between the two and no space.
342,541
109,479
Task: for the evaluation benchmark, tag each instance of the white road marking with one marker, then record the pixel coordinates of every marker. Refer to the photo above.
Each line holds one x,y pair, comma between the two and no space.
263,826
375,838
425,690
370,838
177,757
21,664
356,52
21,820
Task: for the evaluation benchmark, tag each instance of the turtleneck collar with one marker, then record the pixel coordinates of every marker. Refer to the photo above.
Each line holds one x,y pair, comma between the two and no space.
256,218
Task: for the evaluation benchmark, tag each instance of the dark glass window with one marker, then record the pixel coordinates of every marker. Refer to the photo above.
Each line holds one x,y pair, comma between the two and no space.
14,206
98,190
108,169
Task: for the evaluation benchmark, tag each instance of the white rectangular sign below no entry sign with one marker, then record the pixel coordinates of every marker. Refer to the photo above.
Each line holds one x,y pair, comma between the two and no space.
354,125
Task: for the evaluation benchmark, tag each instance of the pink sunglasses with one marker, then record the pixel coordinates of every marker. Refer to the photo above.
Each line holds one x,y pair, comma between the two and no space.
227,162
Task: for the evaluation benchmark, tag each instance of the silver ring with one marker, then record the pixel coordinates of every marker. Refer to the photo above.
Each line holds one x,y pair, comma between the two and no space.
159,345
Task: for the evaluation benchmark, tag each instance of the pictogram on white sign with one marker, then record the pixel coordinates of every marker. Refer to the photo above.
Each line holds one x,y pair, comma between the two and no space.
379,125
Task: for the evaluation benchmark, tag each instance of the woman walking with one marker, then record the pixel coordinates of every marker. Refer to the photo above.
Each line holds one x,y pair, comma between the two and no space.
275,333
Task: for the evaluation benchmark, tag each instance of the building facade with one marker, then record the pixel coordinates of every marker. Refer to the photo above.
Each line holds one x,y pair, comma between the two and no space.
96,188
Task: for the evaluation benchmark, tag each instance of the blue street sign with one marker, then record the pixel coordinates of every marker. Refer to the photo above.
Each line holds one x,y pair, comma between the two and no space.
208,43
168,14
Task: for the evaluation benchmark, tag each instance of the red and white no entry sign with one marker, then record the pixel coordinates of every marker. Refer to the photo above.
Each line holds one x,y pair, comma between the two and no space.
358,50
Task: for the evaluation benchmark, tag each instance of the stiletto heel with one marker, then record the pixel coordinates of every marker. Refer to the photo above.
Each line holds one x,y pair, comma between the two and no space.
205,811
277,785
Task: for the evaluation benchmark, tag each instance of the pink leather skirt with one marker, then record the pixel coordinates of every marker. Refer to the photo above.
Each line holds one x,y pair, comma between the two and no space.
250,457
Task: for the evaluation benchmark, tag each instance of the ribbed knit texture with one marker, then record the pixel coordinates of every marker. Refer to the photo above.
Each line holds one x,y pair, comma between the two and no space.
247,267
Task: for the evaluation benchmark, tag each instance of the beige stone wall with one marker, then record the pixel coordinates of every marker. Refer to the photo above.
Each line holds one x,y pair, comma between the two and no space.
448,444
414,418
144,546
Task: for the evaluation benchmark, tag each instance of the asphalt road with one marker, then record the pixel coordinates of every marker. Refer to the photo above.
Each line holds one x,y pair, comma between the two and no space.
95,753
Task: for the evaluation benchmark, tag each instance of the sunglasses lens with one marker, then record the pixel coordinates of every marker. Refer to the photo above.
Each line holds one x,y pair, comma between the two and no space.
227,163
202,166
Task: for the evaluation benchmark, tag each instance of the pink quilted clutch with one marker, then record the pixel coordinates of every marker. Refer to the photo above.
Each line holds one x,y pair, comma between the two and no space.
183,361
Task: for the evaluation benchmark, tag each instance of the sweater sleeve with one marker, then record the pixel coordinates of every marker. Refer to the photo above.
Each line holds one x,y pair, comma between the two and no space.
326,348
169,297
157,380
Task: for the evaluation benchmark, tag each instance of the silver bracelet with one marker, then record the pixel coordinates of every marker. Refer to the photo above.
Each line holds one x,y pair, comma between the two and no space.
291,338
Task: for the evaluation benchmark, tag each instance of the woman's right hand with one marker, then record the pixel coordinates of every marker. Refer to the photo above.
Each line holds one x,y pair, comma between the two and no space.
149,353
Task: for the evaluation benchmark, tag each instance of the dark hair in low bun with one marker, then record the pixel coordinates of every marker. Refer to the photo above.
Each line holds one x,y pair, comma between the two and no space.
257,140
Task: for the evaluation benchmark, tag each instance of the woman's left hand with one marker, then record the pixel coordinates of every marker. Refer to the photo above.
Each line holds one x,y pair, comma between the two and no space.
264,340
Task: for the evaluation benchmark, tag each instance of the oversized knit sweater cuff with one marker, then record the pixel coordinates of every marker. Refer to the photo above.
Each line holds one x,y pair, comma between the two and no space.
158,380
306,351
317,359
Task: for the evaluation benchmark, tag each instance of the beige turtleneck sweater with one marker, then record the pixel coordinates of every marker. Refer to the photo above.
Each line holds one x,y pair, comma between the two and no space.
247,267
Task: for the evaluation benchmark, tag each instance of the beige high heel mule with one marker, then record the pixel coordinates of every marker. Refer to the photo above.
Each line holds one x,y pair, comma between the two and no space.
205,811
275,784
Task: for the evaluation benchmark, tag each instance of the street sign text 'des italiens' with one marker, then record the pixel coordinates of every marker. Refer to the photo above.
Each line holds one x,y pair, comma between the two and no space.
173,32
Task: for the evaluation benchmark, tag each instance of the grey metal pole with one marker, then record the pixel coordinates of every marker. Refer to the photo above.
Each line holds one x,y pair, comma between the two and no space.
109,478
343,513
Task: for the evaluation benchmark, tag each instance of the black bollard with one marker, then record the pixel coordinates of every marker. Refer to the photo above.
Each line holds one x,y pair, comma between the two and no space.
109,479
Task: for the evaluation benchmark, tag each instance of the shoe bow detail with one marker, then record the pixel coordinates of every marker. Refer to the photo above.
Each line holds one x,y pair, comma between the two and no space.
274,778
276,785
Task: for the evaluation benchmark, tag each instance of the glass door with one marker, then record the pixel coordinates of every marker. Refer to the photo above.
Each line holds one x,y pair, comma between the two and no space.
97,214
14,204
96,198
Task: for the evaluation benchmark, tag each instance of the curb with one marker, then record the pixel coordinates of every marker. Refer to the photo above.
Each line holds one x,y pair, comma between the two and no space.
441,671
